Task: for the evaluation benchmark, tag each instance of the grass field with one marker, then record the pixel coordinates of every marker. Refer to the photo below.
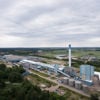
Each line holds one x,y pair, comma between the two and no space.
73,95
36,80
40,73
77,53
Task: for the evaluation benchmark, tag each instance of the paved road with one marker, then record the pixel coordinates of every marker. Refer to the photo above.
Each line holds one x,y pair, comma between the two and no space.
60,84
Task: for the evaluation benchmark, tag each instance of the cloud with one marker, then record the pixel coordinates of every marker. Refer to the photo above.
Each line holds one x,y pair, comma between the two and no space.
32,23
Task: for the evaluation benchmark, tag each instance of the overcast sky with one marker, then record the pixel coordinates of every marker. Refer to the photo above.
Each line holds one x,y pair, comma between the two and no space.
49,23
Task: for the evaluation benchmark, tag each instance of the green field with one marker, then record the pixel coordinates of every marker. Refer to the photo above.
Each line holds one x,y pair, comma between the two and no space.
79,53
36,80
76,53
73,95
40,73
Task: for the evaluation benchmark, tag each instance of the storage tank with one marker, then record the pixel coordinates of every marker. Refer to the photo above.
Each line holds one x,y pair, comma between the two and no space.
85,88
78,85
71,82
66,80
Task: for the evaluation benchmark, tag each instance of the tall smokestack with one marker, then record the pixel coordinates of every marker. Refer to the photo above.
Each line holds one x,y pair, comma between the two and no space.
69,55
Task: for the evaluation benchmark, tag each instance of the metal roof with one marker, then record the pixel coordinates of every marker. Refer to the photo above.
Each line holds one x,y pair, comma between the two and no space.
46,65
38,63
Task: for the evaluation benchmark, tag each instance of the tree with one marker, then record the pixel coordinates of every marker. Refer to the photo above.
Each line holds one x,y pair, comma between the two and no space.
94,97
21,94
18,69
2,84
15,77
2,67
2,75
32,94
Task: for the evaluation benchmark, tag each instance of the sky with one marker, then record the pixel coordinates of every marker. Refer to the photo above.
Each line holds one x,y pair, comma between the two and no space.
49,23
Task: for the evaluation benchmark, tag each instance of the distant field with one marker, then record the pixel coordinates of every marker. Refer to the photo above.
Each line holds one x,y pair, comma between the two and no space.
77,53
51,52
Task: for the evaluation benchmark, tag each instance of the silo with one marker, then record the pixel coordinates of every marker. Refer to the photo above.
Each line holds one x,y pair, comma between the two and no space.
78,85
86,72
71,82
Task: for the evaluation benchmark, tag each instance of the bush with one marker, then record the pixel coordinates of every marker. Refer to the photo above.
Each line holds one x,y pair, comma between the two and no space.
94,97
15,77
2,67
2,84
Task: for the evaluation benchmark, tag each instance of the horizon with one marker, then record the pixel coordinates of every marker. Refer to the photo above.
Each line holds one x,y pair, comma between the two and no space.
43,47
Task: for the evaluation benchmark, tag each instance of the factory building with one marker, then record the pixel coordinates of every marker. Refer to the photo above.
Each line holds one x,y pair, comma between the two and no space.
87,73
70,71
13,58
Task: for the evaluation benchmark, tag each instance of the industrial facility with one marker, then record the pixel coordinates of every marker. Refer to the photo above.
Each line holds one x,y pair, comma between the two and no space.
67,75
86,71
13,58
66,71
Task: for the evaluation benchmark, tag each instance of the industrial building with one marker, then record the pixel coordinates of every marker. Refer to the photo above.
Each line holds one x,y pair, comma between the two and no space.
13,58
66,71
87,73
39,65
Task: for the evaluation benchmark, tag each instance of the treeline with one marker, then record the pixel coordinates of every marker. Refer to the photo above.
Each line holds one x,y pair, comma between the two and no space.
96,64
77,63
44,56
13,86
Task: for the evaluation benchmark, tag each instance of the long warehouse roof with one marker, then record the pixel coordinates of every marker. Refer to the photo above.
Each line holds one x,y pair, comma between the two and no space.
45,65
38,63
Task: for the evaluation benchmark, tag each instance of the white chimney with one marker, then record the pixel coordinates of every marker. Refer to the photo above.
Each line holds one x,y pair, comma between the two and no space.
69,55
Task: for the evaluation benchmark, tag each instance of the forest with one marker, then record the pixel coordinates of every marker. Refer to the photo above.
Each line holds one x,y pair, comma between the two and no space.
13,86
